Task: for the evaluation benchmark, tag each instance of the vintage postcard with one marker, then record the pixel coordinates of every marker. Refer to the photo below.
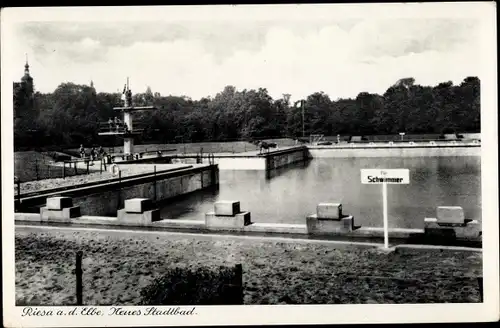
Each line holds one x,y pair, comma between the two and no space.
249,164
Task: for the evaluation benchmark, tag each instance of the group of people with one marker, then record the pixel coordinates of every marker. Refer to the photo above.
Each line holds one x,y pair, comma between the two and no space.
94,153
115,123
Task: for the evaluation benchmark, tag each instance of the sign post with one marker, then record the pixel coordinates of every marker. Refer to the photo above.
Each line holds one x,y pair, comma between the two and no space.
386,223
385,177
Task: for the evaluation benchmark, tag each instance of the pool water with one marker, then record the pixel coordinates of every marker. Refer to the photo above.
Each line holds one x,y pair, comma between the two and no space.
288,195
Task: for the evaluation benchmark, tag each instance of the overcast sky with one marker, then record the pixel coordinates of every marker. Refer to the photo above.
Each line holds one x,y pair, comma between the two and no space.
197,58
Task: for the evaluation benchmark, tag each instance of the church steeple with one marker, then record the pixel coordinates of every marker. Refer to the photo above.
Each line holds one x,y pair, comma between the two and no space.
27,67
27,77
24,95
28,80
92,88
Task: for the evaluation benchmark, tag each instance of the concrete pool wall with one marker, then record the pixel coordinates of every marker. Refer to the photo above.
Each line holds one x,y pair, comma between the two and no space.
251,160
449,227
105,198
278,158
397,150
266,161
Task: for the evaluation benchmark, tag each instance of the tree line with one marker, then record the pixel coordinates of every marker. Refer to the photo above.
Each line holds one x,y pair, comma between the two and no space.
70,115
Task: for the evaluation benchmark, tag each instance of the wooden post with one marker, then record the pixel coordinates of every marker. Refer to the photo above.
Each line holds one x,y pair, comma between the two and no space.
19,190
64,170
302,102
36,168
155,181
18,194
481,292
76,171
88,163
101,166
238,284
79,273
119,189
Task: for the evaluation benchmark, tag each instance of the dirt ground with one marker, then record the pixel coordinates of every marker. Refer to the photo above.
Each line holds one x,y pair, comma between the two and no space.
127,171
117,266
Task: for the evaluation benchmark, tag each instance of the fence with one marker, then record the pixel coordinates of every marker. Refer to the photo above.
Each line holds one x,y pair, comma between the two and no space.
215,147
40,168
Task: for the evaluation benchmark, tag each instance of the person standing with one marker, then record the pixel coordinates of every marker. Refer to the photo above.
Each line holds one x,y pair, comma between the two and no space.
92,154
82,151
111,124
101,152
117,123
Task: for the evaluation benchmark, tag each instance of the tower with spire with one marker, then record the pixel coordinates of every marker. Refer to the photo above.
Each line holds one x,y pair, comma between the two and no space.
92,88
24,93
27,80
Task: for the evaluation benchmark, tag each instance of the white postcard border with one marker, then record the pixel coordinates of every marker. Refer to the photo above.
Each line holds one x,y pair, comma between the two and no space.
274,314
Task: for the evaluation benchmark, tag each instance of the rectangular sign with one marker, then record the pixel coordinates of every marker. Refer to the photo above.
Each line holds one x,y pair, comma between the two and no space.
389,176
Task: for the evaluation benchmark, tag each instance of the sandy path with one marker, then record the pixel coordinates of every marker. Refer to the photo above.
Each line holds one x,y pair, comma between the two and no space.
117,265
126,169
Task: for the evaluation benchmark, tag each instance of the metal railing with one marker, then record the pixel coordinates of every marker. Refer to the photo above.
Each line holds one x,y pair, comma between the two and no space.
120,127
120,178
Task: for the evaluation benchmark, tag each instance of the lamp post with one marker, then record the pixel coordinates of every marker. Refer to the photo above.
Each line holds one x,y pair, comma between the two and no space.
302,102
402,135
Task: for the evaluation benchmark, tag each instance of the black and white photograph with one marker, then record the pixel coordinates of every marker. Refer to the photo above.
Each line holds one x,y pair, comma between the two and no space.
183,165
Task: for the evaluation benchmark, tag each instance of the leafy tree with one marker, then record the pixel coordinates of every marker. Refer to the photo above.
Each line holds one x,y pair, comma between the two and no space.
71,114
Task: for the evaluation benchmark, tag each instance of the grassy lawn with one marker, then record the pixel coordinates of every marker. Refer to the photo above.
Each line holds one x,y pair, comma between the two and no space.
32,166
127,171
118,265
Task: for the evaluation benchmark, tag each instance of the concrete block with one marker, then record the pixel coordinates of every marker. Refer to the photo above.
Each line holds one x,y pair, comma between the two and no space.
430,222
471,231
72,212
58,203
246,217
227,208
348,223
152,215
433,229
139,219
64,215
450,215
320,226
138,205
225,222
329,211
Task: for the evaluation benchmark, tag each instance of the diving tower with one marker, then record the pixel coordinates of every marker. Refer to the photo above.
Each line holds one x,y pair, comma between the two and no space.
124,128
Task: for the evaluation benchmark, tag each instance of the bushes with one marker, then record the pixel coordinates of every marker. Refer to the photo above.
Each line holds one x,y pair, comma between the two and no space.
203,286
